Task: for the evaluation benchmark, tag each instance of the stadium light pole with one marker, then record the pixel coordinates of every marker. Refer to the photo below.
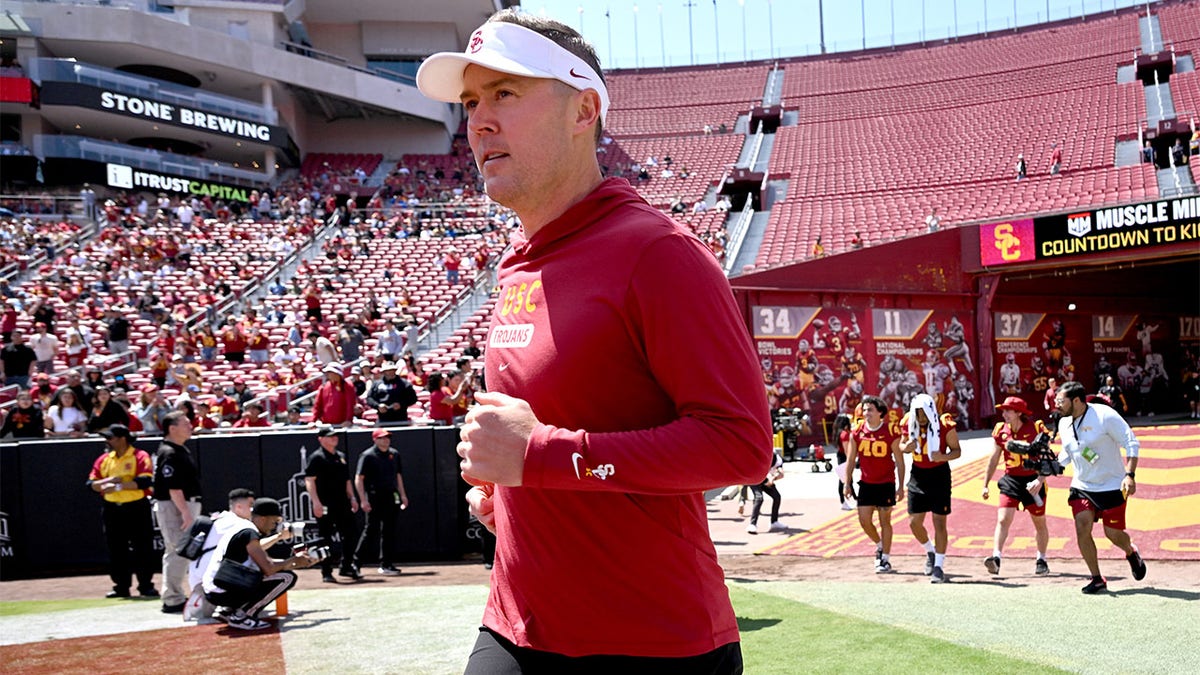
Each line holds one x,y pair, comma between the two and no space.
771,27
821,22
691,36
637,57
955,19
717,31
744,56
863,10
608,20
662,40
581,19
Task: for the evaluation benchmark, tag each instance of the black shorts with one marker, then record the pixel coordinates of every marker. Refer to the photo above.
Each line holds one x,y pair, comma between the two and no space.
882,495
929,490
1014,486
494,655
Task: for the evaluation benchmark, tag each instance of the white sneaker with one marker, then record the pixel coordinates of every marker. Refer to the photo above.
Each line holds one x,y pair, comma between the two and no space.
249,623
778,527
847,506
752,529
389,571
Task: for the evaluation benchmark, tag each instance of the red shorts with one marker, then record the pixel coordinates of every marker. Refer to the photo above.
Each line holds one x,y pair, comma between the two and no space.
1108,507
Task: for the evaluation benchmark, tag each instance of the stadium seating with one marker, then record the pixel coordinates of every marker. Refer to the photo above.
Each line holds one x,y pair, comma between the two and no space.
882,139
671,103
316,163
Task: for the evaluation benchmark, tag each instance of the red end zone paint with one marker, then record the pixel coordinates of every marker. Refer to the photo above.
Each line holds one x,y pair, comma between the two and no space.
1163,517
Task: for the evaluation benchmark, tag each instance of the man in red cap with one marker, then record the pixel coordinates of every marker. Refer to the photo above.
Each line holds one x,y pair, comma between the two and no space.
381,495
1019,486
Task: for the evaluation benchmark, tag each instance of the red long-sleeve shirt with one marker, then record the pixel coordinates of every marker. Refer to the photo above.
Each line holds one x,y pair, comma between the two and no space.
619,329
334,405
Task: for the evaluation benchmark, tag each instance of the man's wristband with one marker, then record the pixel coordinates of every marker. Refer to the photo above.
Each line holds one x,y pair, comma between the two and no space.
1130,474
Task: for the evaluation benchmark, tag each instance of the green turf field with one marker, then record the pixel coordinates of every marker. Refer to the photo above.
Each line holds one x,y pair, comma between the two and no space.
787,627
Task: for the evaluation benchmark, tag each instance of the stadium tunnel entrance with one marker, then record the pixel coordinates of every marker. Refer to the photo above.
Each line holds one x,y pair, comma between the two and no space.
940,314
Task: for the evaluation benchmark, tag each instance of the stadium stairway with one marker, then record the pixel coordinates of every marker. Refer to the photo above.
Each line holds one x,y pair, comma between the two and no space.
1151,34
1159,104
748,252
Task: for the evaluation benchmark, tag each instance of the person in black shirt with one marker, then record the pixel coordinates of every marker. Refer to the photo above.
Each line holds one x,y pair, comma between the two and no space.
25,420
118,332
177,503
392,396
327,479
83,391
17,359
381,493
246,544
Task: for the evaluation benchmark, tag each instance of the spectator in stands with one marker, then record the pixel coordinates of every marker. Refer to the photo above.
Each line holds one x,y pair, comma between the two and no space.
220,402
24,420
17,360
233,340
106,412
452,262
323,349
312,301
43,394
391,343
241,393
45,347
1179,154
116,330
84,390
472,349
207,342
1021,169
66,418
1194,143
151,409
259,345
8,321
932,222
818,249
391,396
351,341
77,350
277,287
856,242
160,366
1055,159
294,417
44,312
1148,153
446,394
336,400
252,417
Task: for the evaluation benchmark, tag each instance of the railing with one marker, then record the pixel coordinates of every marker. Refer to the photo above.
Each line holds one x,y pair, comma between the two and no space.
307,50
80,147
69,70
737,235
759,136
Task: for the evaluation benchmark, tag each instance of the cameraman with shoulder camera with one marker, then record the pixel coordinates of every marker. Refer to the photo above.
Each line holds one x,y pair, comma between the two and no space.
1020,485
243,546
1092,437
241,501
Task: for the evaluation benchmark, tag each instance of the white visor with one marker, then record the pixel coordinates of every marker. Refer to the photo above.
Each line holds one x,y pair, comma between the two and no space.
508,48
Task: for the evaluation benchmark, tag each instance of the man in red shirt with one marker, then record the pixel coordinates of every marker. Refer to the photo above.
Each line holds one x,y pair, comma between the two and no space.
1019,486
596,492
876,445
335,399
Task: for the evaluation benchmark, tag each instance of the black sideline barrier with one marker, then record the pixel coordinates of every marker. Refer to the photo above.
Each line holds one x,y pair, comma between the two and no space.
50,521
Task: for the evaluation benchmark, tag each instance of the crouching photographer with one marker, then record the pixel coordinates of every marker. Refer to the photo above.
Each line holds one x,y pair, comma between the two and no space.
241,577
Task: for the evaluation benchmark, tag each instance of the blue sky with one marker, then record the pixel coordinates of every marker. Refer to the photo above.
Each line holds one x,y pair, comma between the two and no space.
663,36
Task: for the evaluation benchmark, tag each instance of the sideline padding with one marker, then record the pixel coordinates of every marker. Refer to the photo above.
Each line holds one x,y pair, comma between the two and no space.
1163,518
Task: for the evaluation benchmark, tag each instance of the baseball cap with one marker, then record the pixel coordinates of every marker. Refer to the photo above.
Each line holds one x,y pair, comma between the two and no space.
387,366
381,433
265,506
508,48
116,431
326,431
334,368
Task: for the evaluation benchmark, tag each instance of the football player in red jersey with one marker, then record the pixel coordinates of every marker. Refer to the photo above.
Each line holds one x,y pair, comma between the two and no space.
933,442
853,364
1019,486
836,337
876,446
806,363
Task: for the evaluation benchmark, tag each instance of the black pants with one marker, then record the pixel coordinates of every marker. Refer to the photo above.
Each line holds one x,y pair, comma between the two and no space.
381,530
341,521
253,601
758,501
128,531
494,655
841,459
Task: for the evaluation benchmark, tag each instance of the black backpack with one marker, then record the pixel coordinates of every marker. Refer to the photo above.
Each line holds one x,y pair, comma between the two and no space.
193,547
